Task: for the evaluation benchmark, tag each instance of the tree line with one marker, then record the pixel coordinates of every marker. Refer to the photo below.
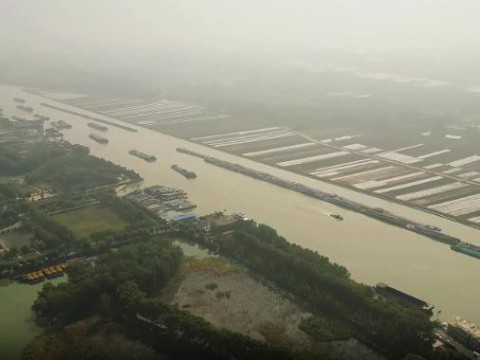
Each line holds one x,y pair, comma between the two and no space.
123,286
327,287
61,166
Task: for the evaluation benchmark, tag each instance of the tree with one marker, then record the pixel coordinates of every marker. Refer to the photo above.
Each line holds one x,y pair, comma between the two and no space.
13,252
106,308
413,357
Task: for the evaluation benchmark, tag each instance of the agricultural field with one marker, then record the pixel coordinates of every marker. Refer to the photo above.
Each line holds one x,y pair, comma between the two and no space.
151,114
439,179
88,220
438,172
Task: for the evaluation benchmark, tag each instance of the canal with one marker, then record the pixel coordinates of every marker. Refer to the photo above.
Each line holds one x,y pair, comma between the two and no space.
371,250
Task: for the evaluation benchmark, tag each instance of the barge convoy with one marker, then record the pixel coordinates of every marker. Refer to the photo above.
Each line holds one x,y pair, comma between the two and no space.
97,126
98,138
432,232
143,156
187,173
468,249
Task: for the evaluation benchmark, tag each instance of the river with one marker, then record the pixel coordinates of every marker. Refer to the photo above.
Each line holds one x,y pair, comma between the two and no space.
371,250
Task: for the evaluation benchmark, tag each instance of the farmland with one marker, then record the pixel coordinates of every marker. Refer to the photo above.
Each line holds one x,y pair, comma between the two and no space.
439,173
417,173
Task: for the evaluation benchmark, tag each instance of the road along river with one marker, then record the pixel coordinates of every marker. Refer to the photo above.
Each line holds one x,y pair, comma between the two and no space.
371,250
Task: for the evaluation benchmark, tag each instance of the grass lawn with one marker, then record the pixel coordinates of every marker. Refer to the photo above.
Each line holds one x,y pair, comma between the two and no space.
86,221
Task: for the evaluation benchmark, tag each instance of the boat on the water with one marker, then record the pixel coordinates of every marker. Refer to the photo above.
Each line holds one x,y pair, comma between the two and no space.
467,248
61,124
41,117
143,156
337,216
187,173
99,139
25,108
97,126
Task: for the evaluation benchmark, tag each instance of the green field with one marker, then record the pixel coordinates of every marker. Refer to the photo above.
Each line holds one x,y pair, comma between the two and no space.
86,221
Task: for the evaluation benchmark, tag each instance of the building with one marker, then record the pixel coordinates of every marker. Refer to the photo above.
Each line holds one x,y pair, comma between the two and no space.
465,332
185,217
217,220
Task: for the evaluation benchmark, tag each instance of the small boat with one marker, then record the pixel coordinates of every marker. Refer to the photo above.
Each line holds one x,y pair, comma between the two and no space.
337,216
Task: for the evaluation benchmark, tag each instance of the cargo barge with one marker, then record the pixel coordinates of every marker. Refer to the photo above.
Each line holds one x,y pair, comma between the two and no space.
97,126
467,248
187,173
98,138
61,124
400,296
143,156
25,108
41,117
376,213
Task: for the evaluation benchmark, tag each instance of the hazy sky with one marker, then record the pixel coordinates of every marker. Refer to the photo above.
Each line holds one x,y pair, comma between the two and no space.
152,26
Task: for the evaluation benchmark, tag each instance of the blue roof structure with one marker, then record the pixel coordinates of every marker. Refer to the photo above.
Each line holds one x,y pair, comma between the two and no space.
186,216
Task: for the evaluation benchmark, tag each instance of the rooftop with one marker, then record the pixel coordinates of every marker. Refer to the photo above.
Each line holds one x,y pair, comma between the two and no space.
467,326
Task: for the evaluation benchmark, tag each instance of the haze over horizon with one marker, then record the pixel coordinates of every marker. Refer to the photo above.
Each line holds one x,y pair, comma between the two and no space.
146,28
